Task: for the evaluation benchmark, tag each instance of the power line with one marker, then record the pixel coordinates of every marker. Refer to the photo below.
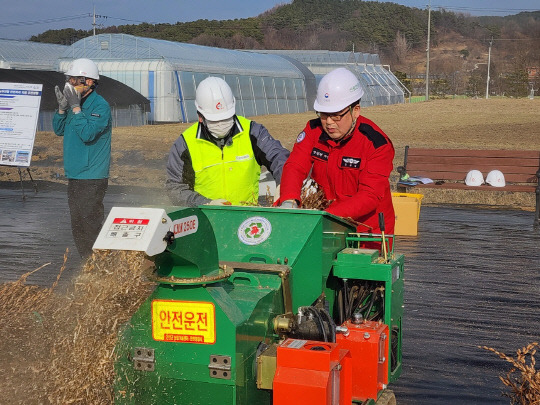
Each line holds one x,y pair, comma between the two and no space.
80,16
68,18
495,10
125,19
46,21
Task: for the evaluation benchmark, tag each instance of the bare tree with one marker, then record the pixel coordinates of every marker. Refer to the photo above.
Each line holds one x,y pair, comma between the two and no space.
401,47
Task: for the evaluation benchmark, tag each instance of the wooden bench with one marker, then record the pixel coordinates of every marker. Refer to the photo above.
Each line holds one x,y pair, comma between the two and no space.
449,167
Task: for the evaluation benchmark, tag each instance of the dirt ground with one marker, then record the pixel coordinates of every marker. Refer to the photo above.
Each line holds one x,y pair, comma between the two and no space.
140,153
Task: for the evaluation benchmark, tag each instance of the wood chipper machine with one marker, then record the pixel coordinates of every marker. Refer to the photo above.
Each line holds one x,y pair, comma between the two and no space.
258,305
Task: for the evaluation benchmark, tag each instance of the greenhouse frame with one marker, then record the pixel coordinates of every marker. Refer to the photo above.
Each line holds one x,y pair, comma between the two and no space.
29,55
381,86
167,73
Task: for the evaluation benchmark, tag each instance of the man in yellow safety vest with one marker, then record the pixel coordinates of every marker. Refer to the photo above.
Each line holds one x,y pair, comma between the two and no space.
218,160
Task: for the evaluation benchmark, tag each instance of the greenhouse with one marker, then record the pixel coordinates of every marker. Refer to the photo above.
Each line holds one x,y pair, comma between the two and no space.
29,55
381,86
167,73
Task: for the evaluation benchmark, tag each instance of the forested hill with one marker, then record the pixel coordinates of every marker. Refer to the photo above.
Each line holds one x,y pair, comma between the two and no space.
321,24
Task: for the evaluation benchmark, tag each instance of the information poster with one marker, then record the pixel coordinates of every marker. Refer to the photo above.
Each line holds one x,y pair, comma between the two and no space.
19,111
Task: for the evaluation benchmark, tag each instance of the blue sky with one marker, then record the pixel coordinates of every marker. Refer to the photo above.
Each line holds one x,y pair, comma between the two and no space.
23,18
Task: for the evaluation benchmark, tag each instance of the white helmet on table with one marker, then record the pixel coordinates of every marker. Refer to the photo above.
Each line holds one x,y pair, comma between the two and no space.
474,178
337,90
214,99
83,67
495,178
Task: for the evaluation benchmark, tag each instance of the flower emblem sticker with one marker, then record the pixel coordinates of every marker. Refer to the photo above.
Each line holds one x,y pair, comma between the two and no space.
254,230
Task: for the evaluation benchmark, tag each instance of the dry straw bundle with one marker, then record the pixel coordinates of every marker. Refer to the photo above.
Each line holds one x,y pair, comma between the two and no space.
312,197
110,289
17,297
67,341
23,338
522,379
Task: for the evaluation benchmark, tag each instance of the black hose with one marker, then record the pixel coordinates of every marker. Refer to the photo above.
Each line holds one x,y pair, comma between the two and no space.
351,300
321,322
373,297
345,300
363,294
341,313
331,325
318,321
380,311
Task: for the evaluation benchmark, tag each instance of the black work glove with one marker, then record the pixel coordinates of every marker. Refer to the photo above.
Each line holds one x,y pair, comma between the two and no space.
72,96
62,102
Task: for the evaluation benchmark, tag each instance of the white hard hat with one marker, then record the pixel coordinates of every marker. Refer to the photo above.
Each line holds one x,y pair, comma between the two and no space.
474,178
495,178
83,67
337,90
214,99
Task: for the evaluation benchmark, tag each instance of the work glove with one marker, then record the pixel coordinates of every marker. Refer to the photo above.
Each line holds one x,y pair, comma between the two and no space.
62,102
309,187
72,96
220,201
289,204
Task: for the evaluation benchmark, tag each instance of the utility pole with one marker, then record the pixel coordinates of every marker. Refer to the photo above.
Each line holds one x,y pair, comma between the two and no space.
488,65
427,50
94,21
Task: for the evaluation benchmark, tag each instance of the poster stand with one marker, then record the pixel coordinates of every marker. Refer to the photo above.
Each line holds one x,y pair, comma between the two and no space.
22,184
19,110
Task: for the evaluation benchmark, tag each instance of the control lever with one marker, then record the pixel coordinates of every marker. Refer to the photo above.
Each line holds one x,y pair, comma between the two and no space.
382,228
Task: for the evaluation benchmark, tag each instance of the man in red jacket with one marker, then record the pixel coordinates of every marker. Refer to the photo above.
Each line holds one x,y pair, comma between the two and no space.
348,156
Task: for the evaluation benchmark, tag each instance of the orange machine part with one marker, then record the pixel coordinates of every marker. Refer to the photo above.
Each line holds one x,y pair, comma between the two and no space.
312,373
367,343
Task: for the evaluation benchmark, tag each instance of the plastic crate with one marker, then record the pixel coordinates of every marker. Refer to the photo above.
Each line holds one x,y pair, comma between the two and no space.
407,209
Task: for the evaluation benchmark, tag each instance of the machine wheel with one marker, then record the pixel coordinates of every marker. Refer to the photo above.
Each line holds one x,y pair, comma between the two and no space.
386,398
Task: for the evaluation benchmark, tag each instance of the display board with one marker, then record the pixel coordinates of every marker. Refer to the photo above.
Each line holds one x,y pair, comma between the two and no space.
19,111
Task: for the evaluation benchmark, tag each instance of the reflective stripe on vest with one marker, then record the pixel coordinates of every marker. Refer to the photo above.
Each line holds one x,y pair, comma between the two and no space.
232,173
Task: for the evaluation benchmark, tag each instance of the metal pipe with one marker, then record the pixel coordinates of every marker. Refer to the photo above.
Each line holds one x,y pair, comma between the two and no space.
427,50
489,63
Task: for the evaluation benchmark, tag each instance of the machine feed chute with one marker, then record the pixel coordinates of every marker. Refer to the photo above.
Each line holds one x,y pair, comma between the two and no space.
181,242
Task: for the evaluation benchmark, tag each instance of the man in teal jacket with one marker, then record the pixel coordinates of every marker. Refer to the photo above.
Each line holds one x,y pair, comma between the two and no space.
84,120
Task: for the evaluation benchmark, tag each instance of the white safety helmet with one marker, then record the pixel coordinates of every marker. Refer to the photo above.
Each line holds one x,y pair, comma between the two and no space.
214,99
495,178
83,67
337,90
474,178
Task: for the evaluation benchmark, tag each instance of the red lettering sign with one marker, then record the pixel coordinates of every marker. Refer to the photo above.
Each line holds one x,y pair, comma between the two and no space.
131,221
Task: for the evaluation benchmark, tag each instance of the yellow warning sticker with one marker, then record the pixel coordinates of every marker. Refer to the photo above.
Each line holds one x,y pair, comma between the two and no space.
184,321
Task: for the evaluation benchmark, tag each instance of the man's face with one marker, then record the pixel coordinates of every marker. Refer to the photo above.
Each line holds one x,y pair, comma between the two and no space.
81,84
338,124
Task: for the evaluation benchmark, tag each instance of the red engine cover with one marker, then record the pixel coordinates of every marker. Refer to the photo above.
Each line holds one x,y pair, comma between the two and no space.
368,345
312,373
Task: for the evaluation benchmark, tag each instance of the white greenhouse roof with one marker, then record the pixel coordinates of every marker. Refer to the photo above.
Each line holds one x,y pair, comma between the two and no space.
326,57
181,56
29,55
